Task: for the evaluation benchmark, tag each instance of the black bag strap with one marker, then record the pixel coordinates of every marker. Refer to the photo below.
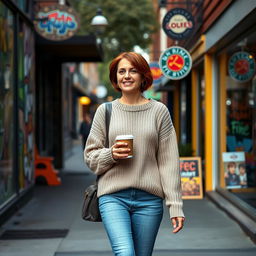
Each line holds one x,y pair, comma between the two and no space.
108,111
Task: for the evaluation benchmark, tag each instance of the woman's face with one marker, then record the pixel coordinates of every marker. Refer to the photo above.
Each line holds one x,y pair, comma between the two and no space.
128,78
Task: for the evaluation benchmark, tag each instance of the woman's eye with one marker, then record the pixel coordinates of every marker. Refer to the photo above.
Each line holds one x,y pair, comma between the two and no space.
121,72
134,71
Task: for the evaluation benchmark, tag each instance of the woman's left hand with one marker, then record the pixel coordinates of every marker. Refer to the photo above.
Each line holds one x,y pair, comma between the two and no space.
177,223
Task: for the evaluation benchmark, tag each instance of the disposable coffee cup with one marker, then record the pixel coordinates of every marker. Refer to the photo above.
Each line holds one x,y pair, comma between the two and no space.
129,140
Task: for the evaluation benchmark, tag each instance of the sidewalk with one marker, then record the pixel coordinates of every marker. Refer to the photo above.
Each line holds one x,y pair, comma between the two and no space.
208,231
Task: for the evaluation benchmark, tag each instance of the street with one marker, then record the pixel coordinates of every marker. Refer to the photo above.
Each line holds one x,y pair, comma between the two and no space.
56,211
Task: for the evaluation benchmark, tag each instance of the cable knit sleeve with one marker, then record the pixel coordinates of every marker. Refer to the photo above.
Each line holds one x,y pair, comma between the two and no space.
168,163
98,158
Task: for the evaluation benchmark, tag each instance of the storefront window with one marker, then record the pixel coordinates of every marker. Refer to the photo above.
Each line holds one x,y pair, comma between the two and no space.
239,157
240,137
25,105
22,4
6,103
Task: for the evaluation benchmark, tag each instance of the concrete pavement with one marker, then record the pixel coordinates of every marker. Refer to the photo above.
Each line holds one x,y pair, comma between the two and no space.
208,231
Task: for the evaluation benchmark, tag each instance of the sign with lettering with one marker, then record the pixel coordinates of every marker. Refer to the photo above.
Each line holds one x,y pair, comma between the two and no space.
241,66
56,22
178,23
156,73
239,122
191,177
175,62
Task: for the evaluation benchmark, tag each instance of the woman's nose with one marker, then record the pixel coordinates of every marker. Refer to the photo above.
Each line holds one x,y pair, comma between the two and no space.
127,74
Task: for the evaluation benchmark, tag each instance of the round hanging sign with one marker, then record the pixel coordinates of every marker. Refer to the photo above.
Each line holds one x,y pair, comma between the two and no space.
56,22
241,66
175,62
178,23
156,73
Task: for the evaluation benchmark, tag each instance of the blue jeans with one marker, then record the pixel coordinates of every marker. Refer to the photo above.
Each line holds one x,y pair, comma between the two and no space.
131,218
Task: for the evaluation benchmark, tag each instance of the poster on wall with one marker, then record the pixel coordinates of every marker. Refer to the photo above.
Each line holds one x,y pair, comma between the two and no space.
234,169
191,177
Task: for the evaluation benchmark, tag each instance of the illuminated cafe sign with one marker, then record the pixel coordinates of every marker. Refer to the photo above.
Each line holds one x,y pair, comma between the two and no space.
178,23
175,62
56,22
241,66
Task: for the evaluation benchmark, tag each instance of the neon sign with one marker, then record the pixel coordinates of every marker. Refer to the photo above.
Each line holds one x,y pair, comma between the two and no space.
57,22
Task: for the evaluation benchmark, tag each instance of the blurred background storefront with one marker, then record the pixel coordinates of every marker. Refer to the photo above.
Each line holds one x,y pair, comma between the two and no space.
17,92
41,82
214,108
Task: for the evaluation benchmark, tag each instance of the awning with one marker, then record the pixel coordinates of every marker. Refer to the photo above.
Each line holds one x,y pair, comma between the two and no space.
79,90
74,49
165,86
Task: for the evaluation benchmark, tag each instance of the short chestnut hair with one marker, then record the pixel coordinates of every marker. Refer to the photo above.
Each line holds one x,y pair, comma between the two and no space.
231,164
138,62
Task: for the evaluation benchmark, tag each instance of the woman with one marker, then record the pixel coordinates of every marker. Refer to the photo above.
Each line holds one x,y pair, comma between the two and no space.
131,190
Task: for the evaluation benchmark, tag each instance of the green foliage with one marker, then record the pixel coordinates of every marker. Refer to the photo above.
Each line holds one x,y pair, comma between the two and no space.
104,75
131,23
185,150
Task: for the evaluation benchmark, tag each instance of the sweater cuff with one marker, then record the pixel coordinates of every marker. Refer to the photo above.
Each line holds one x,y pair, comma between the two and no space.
176,211
109,158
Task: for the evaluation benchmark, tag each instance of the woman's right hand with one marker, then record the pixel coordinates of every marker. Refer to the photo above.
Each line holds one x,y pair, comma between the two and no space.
120,150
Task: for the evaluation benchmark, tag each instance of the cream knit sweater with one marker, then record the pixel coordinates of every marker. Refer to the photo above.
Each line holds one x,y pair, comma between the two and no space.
155,164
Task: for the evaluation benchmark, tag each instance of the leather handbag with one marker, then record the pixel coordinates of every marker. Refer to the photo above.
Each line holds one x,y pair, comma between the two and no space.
90,210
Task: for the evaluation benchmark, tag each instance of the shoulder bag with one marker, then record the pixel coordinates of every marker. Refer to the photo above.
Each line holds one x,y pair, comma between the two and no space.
90,210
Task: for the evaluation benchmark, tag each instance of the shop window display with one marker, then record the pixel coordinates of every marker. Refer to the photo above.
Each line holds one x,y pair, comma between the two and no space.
6,103
239,160
240,136
25,105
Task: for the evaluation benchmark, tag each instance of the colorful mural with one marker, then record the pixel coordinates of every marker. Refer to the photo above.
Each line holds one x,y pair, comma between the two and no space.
6,103
25,106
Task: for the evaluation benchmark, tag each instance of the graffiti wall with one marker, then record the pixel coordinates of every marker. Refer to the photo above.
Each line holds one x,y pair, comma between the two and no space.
6,103
25,106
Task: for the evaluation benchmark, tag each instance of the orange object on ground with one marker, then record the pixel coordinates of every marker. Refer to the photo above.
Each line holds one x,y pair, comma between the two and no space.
44,168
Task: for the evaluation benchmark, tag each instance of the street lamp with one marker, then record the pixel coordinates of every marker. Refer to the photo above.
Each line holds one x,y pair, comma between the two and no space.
99,22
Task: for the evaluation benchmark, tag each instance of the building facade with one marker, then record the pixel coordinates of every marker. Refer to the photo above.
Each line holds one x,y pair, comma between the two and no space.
17,107
215,105
37,97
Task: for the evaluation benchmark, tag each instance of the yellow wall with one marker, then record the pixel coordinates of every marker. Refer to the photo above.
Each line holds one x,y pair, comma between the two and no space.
194,110
222,83
208,121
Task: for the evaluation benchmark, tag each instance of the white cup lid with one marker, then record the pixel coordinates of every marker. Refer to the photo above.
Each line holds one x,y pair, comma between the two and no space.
124,137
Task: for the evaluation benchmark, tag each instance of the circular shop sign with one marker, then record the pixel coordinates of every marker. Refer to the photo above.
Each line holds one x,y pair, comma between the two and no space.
241,66
175,62
156,73
56,22
178,23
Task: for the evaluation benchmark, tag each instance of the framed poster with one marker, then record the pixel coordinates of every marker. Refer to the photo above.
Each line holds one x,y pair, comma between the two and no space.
234,169
191,177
